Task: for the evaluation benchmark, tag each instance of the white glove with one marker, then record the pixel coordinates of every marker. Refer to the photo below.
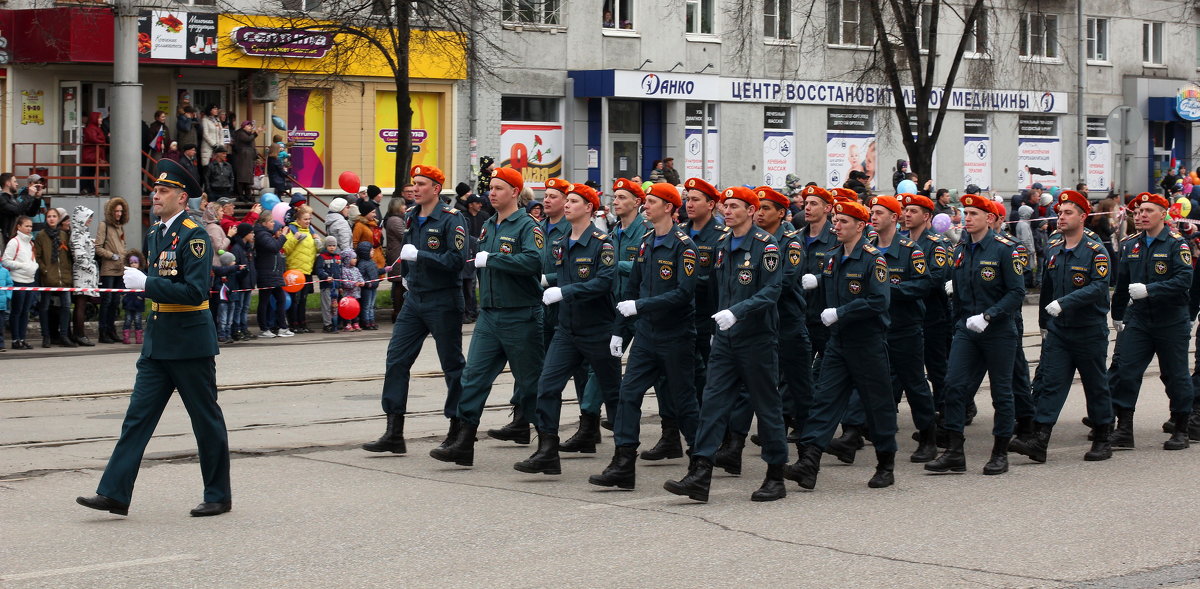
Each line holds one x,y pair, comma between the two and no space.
949,288
115,257
724,319
1119,326
408,253
627,308
977,323
1044,334
1138,291
808,281
1054,308
134,279
829,316
404,282
545,283
614,346
552,295
481,260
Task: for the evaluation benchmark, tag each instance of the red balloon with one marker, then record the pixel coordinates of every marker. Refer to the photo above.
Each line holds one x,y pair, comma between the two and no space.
349,182
348,308
293,281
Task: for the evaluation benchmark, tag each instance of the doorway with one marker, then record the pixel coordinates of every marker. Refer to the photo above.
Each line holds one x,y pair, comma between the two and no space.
625,138
76,101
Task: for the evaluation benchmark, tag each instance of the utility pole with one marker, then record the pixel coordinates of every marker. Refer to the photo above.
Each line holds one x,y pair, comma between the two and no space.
1080,87
125,151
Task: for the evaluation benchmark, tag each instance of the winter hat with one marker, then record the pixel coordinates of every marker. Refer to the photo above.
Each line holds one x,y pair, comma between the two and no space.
330,240
243,229
336,205
227,259
461,189
363,249
348,256
373,191
366,207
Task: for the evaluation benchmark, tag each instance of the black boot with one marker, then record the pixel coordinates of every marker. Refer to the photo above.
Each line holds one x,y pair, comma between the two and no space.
462,450
1194,424
1034,447
451,434
1121,437
620,472
729,456
1179,439
1024,432
804,470
586,437
884,470
998,464
1100,448
104,337
1168,426
953,459
845,447
516,430
697,481
926,445
392,439
668,445
772,487
545,459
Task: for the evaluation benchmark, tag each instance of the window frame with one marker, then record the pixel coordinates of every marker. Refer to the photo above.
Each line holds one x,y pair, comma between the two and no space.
549,11
1152,43
924,20
973,52
841,21
1096,37
304,5
781,30
618,17
1038,25
700,10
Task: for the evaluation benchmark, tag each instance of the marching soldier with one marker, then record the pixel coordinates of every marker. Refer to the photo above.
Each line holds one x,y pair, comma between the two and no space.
179,352
918,213
509,329
818,240
431,262
748,280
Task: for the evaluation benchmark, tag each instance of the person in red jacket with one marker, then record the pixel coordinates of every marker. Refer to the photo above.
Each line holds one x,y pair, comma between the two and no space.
94,153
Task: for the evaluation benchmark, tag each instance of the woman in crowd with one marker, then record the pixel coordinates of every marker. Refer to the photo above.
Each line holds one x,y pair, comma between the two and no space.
53,254
243,157
241,245
110,249
19,259
93,155
161,132
395,225
268,266
210,135
84,273
300,249
366,228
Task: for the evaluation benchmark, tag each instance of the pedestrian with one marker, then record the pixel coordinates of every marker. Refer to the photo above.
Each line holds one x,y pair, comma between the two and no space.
186,125
19,261
5,303
819,240
53,253
210,136
241,245
670,174
110,251
337,225
328,267
134,303
395,225
300,250
366,228
936,327
226,274
229,221
218,175
474,216
244,154
352,283
179,353
93,156
160,133
656,172
84,273
14,204
370,278
269,264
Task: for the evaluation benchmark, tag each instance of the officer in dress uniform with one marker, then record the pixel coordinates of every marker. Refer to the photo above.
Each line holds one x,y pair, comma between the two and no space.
431,262
179,352
509,329
748,279
1150,307
918,212
658,301
584,266
988,287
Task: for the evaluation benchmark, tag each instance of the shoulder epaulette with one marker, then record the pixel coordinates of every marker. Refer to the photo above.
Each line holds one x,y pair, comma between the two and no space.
1134,236
1176,235
1095,245
190,224
647,234
681,234
450,209
870,249
761,235
1056,241
906,242
792,233
937,237
1089,232
723,235
720,227
600,234
411,209
1005,240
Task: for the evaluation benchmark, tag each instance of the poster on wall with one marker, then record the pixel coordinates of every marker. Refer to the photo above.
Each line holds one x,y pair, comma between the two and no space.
1039,151
977,161
32,112
779,146
306,116
426,107
181,37
534,149
849,145
1099,156
700,152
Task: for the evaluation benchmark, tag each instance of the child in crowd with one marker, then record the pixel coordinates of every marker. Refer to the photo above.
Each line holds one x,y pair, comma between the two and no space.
353,285
241,245
329,273
5,298
370,278
134,303
226,276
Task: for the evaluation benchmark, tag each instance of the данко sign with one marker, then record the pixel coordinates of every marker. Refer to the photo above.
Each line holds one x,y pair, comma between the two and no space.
294,43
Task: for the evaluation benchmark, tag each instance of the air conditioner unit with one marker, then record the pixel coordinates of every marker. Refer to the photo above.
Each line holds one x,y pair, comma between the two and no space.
264,86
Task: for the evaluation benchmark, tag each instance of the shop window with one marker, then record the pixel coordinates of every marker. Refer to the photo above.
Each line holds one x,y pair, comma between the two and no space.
618,14
302,5
700,16
197,2
1198,48
977,38
624,116
528,109
1152,43
1097,39
849,24
1038,35
777,19
533,12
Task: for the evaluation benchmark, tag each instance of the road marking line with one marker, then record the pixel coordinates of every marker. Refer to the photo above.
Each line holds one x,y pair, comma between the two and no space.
648,500
96,567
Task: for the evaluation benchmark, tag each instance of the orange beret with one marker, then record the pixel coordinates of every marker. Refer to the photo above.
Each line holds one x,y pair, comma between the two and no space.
982,203
1077,198
509,176
999,208
919,200
853,209
667,192
430,172
703,186
628,185
844,193
558,184
888,202
588,193
818,192
741,193
1149,197
768,193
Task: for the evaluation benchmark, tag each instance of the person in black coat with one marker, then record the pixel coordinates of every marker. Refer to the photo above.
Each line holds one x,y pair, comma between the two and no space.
241,245
269,265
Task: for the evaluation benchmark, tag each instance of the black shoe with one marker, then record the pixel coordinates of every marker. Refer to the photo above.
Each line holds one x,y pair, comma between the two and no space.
1033,446
1024,430
45,342
545,459
953,459
329,329
668,446
845,447
620,473
772,486
451,434
516,430
926,445
1121,437
606,424
63,342
729,455
697,481
998,463
586,437
1100,449
104,338
85,342
392,439
1179,439
884,470
206,509
102,503
25,345
462,450
804,470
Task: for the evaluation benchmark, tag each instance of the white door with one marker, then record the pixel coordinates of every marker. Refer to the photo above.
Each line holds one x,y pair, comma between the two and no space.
70,101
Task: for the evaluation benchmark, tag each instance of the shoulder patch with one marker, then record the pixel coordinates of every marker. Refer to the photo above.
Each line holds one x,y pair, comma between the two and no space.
1176,235
762,235
1134,236
792,233
1004,240
539,238
190,224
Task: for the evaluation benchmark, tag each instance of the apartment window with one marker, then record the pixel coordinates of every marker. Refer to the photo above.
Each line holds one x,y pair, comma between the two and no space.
977,38
924,20
1152,41
777,19
848,23
302,5
533,12
1198,48
700,16
618,14
528,108
1038,35
197,2
1097,39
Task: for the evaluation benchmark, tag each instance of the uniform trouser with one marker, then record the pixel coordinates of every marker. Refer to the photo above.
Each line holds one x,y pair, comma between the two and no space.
196,381
858,364
567,353
1196,366
655,361
905,351
549,325
1083,350
439,313
971,355
818,335
1140,344
594,397
511,335
730,368
1023,403
795,384
937,350
700,356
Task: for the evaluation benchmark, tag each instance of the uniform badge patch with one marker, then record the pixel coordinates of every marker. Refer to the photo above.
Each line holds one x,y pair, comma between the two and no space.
689,262
988,273
1101,265
958,260
939,256
881,271
895,279
558,255
607,257
795,253
460,238
919,266
1018,266
538,238
197,247
1160,267
720,257
855,287
433,242
665,272
1078,279
705,259
771,260
505,247
1185,254
745,276
584,271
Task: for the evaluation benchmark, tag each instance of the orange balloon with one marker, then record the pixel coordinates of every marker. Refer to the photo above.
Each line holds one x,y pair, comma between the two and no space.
293,281
1195,178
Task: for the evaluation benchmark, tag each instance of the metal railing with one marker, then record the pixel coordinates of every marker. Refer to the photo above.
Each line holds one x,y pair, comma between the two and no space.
27,160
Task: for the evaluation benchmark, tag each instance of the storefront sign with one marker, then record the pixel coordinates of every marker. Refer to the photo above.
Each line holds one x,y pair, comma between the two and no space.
177,37
306,120
779,145
424,140
293,43
535,150
1187,104
1099,155
849,145
32,112
977,152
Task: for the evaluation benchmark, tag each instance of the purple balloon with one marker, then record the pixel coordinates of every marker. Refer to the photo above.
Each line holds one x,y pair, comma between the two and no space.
941,222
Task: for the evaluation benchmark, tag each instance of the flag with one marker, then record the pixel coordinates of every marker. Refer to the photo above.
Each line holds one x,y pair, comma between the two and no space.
1174,162
156,144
